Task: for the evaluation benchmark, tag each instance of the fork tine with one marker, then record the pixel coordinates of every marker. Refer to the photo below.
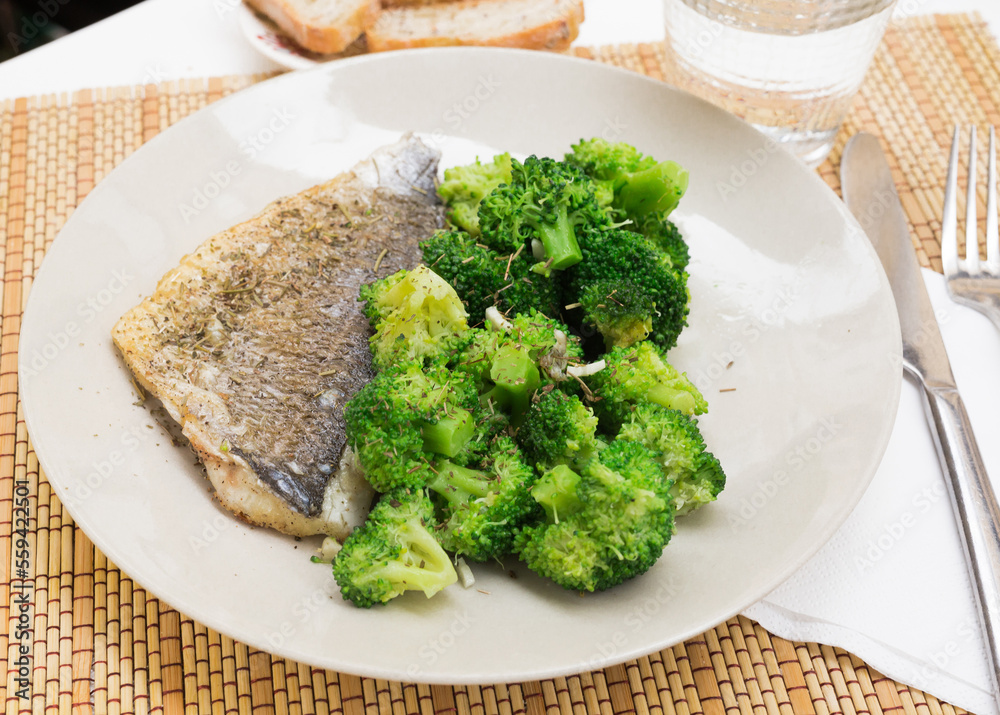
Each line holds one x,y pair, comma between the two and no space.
971,227
992,230
949,217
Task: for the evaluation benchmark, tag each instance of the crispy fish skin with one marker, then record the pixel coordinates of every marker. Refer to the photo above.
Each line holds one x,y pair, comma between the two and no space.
256,340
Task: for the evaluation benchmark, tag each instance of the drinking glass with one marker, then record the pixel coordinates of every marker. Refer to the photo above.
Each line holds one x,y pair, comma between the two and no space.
789,67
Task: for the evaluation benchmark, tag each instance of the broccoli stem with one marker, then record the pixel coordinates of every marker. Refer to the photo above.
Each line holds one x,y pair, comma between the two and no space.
449,434
556,492
423,566
515,377
672,398
458,484
561,247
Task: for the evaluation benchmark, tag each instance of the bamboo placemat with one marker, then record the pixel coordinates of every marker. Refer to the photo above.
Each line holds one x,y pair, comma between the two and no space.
97,641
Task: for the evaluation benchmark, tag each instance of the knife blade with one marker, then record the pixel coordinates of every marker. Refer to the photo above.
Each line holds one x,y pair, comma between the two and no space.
870,195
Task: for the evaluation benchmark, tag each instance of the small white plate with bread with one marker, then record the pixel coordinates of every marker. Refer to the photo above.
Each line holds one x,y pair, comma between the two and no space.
298,34
793,339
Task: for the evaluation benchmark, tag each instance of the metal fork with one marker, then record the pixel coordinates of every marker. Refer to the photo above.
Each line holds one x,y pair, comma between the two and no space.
971,281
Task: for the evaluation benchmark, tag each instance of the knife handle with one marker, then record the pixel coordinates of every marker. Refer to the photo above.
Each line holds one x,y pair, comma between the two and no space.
975,506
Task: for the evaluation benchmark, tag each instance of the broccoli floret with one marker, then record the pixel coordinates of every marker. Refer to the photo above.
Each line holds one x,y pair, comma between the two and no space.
527,290
473,270
559,429
638,374
546,338
405,416
624,257
619,521
465,186
556,492
394,551
632,184
695,474
417,316
485,278
484,507
539,211
512,358
622,312
664,234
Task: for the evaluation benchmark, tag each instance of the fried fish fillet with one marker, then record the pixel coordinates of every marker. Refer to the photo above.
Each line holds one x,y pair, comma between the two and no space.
256,340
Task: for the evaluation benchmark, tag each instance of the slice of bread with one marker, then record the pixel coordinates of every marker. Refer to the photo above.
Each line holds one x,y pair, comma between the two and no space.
414,3
529,24
324,26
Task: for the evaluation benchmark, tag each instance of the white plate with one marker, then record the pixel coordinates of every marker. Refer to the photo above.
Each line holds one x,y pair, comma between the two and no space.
793,338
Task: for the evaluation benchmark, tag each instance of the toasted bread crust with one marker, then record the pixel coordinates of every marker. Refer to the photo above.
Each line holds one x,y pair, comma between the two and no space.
550,25
414,3
314,35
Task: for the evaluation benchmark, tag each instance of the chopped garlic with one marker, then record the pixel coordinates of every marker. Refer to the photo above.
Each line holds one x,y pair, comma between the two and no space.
328,550
465,575
496,321
585,370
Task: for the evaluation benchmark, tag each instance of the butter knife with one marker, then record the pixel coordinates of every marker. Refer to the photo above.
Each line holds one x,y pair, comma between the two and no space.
870,194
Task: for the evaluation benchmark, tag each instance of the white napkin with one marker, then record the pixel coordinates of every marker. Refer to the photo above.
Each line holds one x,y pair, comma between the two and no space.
891,586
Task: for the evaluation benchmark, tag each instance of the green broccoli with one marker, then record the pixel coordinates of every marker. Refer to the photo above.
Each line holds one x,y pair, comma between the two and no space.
405,416
556,492
483,508
622,312
539,210
623,257
638,374
664,234
512,358
695,474
515,377
416,315
559,429
630,183
618,521
484,278
465,186
394,551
